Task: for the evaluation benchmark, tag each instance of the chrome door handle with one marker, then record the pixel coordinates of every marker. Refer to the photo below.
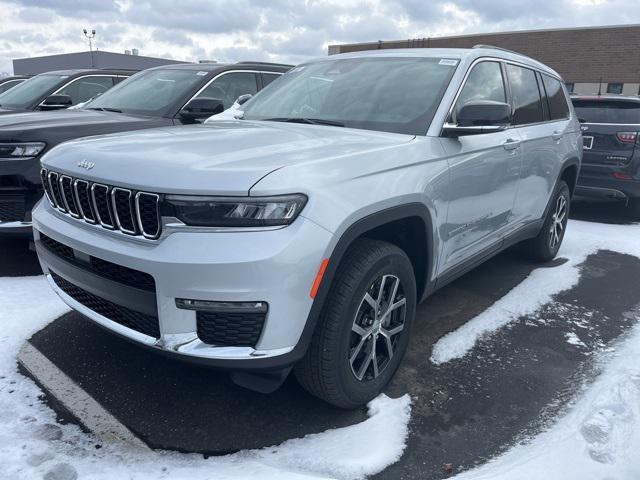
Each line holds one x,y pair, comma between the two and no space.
556,136
511,144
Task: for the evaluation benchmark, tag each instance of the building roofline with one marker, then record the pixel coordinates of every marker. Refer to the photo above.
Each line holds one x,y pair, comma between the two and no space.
511,32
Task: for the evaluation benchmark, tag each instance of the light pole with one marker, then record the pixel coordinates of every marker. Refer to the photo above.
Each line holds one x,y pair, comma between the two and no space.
90,36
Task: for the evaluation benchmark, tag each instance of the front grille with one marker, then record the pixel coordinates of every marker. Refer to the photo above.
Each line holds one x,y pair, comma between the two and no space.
114,208
112,271
12,209
230,329
140,322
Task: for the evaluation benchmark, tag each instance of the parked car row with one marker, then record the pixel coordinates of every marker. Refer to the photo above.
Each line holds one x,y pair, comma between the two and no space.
161,96
7,83
299,233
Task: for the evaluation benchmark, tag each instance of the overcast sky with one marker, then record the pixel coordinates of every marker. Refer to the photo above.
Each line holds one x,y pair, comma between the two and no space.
273,30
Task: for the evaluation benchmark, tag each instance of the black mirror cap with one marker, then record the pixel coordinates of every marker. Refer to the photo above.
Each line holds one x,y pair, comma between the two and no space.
200,108
242,99
484,113
53,102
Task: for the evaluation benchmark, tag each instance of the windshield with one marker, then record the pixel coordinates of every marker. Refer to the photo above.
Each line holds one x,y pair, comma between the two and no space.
149,93
397,95
602,111
30,91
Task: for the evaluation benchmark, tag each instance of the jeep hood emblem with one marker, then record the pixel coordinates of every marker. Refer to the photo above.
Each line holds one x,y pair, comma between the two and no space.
86,165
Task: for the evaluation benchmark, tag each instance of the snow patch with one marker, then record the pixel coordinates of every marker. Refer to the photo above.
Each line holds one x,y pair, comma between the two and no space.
581,240
574,339
33,445
598,439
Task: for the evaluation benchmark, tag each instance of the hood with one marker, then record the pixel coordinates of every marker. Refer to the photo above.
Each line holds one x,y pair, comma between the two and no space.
5,111
57,126
222,158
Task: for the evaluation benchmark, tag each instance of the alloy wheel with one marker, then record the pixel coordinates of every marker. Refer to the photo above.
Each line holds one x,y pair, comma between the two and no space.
376,327
558,222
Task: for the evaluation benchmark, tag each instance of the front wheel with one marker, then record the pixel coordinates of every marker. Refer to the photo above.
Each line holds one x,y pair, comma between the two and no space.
363,331
545,246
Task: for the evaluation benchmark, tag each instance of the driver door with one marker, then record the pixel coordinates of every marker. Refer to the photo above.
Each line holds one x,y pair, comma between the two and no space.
484,172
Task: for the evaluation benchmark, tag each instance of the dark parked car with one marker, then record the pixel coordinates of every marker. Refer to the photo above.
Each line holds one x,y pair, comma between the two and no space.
61,89
611,136
161,96
8,83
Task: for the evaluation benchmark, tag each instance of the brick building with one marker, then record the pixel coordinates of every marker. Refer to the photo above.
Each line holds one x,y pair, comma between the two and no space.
589,59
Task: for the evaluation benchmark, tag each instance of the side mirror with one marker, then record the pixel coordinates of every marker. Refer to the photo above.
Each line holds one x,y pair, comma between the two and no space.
200,108
483,116
242,99
56,102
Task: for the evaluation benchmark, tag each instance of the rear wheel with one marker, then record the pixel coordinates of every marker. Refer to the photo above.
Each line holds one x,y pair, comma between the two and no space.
545,246
364,327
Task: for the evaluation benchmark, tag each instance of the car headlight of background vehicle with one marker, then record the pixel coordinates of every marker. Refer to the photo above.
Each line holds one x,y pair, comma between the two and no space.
234,211
21,149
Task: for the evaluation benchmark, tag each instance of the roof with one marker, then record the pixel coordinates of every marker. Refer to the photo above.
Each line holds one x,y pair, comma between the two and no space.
210,67
85,71
460,53
609,98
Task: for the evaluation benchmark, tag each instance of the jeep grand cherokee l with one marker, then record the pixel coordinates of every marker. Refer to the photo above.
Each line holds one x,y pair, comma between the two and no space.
611,133
168,95
303,235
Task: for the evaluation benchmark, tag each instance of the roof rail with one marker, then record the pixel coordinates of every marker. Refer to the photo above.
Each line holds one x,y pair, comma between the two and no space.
495,48
248,62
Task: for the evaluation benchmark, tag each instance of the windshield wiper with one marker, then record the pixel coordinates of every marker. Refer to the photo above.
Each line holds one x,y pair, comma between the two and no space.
310,121
105,109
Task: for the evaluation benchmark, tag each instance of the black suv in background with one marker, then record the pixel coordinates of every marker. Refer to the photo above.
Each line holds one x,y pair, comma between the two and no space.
60,89
611,157
7,83
161,96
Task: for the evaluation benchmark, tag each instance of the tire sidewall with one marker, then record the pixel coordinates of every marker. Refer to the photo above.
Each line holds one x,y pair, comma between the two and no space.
399,265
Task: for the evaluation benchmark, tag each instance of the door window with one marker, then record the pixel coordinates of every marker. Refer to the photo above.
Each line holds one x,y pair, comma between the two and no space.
86,88
485,82
558,108
526,95
230,86
267,78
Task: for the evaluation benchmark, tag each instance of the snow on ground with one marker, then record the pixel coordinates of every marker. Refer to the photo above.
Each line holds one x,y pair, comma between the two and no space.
581,240
598,439
33,445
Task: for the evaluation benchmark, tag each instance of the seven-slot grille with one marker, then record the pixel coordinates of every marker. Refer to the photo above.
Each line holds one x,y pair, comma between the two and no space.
114,208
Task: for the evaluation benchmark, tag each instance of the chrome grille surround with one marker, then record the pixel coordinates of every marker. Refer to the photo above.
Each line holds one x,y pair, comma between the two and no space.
110,207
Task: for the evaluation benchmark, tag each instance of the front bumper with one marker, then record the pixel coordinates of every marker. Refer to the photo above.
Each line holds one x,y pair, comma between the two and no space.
274,266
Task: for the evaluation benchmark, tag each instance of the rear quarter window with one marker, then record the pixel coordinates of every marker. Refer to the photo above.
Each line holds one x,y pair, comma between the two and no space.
558,107
605,111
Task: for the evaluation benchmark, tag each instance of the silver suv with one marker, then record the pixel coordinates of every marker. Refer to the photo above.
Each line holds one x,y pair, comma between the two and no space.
302,236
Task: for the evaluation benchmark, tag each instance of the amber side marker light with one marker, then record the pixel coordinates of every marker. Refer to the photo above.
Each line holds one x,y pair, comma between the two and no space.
316,283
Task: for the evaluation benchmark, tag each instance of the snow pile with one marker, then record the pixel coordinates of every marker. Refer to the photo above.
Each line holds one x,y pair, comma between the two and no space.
598,439
581,240
33,445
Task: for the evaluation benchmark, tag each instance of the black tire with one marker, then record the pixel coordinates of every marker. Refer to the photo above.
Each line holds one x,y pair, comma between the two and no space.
634,205
544,247
327,371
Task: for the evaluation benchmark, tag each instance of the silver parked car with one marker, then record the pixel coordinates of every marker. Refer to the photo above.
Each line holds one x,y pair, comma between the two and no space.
302,236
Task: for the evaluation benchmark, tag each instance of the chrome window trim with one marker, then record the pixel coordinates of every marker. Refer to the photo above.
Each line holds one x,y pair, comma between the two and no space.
115,210
64,196
93,198
139,220
505,80
226,73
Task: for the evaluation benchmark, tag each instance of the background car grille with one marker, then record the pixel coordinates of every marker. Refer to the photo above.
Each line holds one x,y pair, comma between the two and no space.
140,322
114,208
12,209
230,329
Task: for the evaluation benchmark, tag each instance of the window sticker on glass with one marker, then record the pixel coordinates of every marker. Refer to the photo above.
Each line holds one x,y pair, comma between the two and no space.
450,62
202,74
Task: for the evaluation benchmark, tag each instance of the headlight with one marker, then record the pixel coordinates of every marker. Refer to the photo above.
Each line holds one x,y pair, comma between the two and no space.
234,211
21,150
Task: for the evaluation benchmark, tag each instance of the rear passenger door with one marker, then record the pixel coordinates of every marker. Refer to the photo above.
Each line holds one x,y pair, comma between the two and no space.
484,170
541,116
